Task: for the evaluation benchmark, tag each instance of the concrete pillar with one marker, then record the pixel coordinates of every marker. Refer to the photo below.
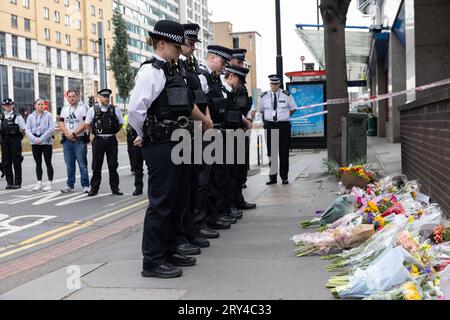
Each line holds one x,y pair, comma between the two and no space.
10,82
381,84
410,49
396,82
432,42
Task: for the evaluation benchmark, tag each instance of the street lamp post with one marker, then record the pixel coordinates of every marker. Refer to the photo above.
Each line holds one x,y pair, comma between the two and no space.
279,54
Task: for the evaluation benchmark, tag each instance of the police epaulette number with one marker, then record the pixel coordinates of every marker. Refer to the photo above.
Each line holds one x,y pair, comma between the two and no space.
286,92
263,94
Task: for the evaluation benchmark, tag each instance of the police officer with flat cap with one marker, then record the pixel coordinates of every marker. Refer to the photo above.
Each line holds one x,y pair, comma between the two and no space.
193,230
104,121
239,171
159,105
12,131
227,117
277,105
210,77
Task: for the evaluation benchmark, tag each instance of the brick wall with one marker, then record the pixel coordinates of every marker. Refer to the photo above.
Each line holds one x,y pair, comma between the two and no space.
425,138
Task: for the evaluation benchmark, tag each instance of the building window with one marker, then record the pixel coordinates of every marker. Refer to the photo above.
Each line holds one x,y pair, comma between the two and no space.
47,34
100,14
80,43
93,28
78,4
67,40
69,61
57,1
13,21
95,65
93,46
57,17
28,48
4,78
79,24
235,42
67,21
92,10
48,56
2,44
46,13
13,1
59,91
44,86
23,81
26,3
15,50
58,36
27,24
80,63
66,3
58,59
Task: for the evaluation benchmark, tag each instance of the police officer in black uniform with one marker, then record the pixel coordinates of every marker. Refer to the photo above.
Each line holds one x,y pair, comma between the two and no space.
104,121
227,116
12,131
159,105
239,171
193,228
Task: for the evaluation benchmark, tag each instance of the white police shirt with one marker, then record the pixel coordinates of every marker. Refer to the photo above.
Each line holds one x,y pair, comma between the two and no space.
19,119
74,117
285,104
91,113
149,83
202,78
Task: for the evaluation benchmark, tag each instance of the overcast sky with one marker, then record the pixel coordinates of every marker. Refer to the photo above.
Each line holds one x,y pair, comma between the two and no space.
259,15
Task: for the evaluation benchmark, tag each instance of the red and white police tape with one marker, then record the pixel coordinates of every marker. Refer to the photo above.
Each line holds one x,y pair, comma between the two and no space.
369,99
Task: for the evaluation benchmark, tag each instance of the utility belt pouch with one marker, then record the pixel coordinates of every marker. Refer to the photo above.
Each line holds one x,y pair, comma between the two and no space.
178,99
219,105
200,97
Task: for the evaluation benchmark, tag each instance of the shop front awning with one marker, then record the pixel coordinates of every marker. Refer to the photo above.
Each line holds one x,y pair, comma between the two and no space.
358,41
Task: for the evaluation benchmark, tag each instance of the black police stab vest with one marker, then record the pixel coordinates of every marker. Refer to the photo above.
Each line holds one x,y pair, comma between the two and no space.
9,129
174,101
244,101
233,115
192,71
105,122
217,103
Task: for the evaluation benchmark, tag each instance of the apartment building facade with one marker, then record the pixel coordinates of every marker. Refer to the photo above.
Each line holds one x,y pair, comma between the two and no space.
250,40
49,47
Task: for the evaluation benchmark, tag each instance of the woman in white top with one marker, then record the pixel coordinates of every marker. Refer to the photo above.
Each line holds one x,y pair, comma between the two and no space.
40,130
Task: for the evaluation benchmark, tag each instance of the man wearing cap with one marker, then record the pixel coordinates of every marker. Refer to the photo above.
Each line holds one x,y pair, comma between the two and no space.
277,106
104,121
159,105
239,171
206,211
12,131
193,231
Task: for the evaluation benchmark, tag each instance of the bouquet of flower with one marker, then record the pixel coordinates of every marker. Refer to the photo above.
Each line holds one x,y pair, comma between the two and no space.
441,234
356,176
407,291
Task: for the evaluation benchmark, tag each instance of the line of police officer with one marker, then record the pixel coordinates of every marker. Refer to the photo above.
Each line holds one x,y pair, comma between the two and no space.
171,90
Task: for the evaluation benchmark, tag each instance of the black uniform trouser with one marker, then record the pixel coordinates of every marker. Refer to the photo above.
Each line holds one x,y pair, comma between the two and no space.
284,143
168,194
130,149
12,157
237,177
136,162
100,147
222,184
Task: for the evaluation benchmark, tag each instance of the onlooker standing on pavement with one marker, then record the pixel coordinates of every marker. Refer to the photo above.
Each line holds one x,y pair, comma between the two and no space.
12,132
104,121
74,140
40,130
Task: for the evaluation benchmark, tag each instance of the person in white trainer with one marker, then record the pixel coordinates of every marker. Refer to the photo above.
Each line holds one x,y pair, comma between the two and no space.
40,129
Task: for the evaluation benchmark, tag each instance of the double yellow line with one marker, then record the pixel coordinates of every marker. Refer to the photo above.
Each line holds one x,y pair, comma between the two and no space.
61,232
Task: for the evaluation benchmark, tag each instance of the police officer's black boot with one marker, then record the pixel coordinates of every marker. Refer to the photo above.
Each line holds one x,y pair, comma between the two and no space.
137,192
